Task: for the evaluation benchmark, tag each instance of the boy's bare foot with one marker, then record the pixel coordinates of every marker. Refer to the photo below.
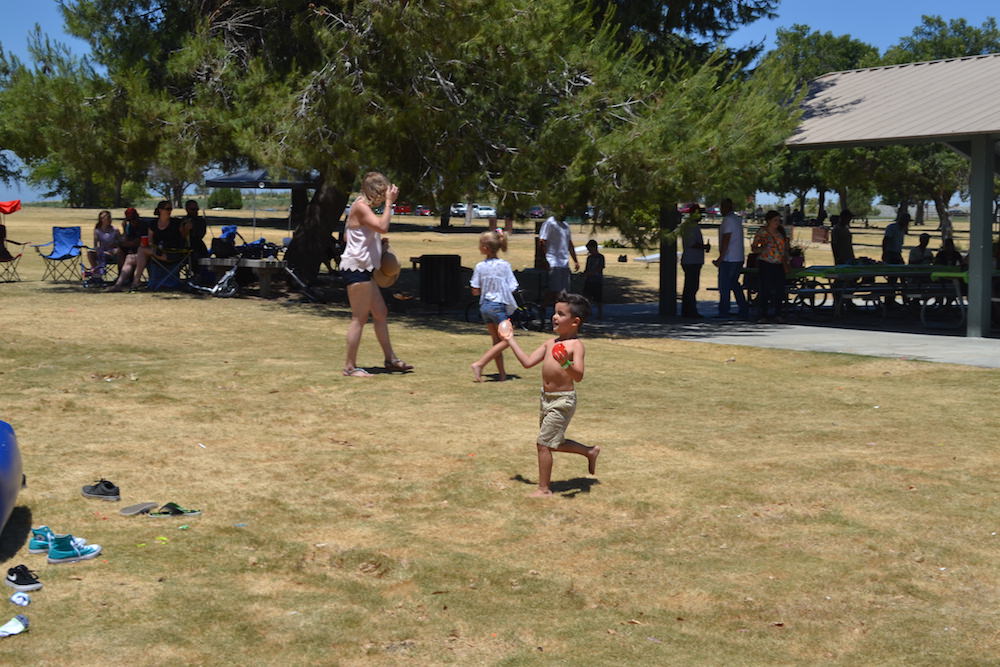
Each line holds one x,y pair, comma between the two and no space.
592,459
502,378
477,373
540,493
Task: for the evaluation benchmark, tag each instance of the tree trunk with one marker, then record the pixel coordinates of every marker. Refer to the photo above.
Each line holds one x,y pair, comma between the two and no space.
300,202
311,239
944,224
177,193
445,219
918,214
670,220
801,196
119,186
821,204
844,205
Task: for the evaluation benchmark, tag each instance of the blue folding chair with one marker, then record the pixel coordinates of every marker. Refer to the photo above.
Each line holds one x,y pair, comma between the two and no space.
62,262
170,271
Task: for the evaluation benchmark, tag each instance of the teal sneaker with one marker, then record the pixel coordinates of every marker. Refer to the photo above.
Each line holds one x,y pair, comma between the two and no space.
66,549
42,537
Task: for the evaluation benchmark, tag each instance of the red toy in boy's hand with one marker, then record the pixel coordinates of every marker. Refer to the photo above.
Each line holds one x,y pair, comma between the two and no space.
559,353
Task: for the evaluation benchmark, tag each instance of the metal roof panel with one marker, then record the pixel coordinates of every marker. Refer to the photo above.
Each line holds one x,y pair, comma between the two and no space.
923,101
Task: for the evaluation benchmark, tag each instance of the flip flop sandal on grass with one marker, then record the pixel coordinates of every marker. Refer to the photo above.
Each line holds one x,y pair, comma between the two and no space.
173,509
139,508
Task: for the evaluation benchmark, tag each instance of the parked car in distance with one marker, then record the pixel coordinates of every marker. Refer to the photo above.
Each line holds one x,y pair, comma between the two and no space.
402,208
712,211
484,210
422,210
536,212
688,207
457,210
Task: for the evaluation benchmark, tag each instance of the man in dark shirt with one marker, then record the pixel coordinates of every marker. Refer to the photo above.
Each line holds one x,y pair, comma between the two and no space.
133,229
198,226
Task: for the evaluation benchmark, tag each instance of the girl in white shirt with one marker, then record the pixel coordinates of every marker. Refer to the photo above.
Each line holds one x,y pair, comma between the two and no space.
494,283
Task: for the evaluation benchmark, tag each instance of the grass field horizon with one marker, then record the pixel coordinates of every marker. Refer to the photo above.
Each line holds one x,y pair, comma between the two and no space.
751,506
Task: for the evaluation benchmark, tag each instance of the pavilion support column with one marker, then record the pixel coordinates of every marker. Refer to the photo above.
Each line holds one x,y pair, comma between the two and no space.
980,241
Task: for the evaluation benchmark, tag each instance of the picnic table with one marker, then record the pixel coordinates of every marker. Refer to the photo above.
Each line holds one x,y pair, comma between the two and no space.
872,283
262,268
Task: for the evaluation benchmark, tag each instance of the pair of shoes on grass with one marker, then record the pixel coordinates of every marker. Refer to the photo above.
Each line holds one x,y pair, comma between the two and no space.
104,489
168,510
61,548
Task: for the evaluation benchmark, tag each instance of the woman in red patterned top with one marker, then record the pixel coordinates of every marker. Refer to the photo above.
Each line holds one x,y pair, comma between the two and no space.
771,246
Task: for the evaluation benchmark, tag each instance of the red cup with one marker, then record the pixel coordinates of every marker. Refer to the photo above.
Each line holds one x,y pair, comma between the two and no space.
144,241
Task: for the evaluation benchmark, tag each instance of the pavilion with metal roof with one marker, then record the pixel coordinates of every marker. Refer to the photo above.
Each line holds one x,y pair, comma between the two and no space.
877,106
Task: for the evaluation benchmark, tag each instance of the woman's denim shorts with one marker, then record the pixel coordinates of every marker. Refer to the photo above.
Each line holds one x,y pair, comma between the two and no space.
352,276
493,311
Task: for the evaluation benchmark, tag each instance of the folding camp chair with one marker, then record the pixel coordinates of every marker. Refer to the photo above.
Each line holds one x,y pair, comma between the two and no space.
225,244
169,271
61,262
104,272
8,262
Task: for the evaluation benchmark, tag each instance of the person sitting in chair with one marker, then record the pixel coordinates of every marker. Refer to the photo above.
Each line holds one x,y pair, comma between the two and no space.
948,255
106,248
166,233
5,255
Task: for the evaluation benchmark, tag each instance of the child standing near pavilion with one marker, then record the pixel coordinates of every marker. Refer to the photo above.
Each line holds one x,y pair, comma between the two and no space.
593,277
494,283
562,360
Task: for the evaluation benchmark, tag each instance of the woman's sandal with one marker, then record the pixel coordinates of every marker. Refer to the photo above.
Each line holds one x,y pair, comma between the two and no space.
397,365
356,373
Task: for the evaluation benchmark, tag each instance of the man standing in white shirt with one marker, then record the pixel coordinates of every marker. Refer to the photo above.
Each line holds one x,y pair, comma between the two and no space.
730,261
557,244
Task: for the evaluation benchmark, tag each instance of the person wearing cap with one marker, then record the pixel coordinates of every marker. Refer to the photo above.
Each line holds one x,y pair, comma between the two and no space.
361,259
133,229
921,254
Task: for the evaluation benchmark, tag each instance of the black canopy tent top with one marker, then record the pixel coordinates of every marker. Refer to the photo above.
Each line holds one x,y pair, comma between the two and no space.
265,179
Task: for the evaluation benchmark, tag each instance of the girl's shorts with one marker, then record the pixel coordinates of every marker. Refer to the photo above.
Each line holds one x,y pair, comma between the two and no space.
493,312
352,276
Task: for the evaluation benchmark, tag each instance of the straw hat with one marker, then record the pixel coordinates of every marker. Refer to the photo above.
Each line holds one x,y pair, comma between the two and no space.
387,274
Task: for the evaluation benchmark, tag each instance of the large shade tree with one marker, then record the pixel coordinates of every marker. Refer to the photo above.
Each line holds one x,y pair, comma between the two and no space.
533,99
78,133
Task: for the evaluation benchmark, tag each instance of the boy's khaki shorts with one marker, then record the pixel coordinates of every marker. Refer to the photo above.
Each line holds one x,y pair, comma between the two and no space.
557,408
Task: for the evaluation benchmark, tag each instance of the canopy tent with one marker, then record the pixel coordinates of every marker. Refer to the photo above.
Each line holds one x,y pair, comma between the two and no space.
875,106
265,179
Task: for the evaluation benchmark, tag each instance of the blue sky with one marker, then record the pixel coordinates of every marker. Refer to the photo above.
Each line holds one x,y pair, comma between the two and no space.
878,22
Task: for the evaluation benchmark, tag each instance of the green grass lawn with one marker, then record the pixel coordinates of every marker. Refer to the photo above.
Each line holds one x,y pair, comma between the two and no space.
750,506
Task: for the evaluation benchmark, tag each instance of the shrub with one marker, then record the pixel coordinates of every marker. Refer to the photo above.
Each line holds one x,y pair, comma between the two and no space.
230,198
